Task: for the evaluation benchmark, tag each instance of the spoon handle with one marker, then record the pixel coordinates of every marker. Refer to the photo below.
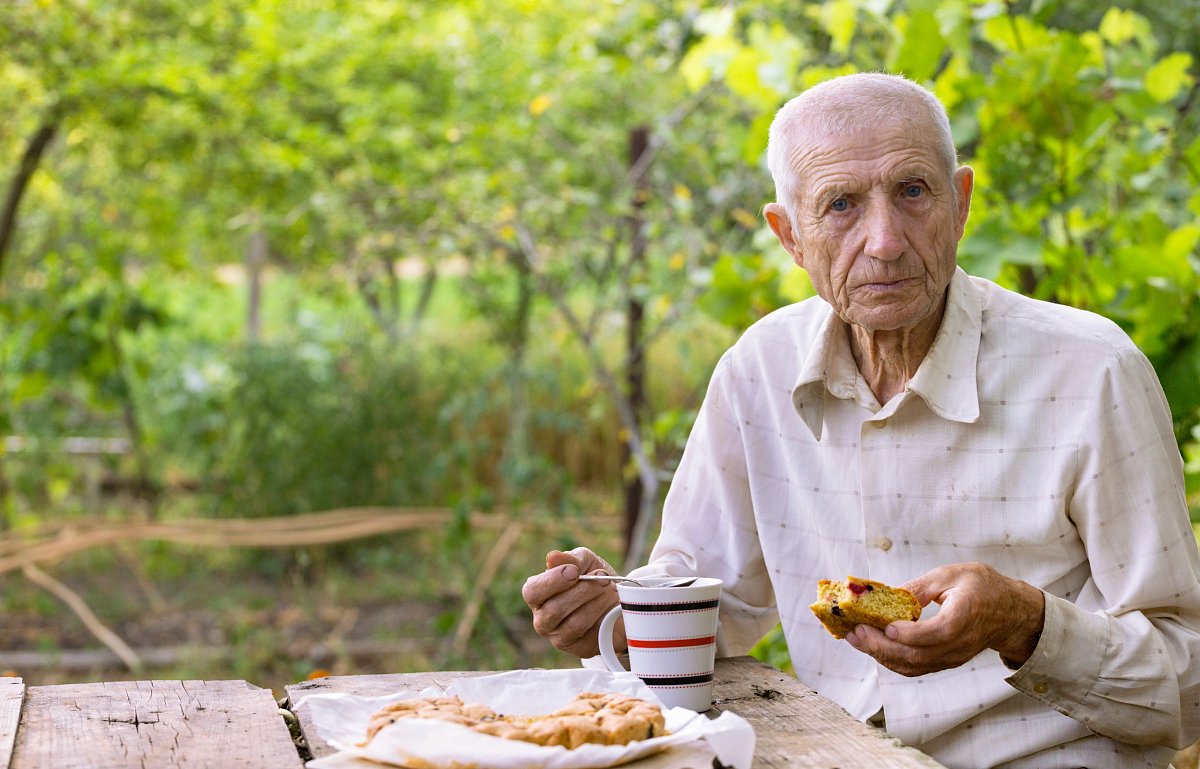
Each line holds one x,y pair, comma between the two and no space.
605,578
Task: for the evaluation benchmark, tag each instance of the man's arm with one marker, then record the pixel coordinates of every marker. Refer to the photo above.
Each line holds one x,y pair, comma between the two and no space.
1121,655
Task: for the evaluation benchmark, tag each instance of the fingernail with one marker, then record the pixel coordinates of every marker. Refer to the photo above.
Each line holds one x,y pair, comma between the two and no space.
891,632
570,572
852,639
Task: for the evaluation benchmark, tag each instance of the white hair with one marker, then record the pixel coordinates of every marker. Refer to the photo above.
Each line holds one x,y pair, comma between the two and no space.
848,104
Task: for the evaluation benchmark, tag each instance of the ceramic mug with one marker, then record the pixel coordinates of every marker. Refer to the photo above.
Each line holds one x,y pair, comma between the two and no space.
672,634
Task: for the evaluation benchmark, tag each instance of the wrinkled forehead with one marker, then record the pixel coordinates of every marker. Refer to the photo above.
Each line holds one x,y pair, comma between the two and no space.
883,153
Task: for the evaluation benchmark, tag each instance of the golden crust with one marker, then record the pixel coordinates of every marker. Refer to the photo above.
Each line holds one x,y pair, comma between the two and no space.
591,718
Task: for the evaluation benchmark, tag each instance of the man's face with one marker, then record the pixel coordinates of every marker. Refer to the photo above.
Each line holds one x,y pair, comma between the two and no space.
875,224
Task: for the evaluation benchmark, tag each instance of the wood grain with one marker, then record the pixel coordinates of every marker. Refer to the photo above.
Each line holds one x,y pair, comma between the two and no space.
12,694
796,727
153,724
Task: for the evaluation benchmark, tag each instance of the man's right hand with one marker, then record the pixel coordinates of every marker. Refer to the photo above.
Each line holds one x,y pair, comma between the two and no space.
568,612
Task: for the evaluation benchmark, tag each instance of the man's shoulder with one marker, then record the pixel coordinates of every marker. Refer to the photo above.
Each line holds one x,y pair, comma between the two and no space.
1013,319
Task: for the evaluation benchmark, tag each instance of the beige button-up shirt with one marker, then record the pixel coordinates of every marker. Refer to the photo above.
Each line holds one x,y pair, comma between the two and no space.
1034,438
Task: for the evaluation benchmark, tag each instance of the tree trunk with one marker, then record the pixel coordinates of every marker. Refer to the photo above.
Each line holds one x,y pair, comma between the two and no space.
635,369
516,461
256,257
30,160
428,283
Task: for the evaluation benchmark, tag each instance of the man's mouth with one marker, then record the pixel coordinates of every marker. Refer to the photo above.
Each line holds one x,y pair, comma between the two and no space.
886,285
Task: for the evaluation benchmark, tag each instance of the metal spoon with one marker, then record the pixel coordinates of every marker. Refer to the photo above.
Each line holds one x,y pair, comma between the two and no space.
680,582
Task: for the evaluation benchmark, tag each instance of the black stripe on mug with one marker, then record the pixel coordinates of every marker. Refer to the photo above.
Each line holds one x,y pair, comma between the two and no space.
662,607
676,680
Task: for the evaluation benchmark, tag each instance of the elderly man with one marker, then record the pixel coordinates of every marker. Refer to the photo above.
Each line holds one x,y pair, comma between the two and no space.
1009,461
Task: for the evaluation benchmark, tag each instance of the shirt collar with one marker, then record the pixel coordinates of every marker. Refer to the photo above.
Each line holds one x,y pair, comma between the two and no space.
945,380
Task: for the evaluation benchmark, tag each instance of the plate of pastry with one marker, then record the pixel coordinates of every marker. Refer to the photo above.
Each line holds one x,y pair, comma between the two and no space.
527,719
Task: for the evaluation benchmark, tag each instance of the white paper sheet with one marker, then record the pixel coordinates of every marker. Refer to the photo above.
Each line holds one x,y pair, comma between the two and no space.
341,720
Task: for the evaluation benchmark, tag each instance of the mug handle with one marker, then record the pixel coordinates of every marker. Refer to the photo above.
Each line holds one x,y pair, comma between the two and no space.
607,652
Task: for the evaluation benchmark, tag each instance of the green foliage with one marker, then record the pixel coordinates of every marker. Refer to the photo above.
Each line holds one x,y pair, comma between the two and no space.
772,649
386,150
743,288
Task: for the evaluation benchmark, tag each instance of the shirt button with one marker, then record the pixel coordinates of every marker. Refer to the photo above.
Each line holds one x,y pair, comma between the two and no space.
884,544
1041,687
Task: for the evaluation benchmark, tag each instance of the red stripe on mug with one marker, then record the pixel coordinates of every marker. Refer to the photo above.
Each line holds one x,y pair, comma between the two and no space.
672,643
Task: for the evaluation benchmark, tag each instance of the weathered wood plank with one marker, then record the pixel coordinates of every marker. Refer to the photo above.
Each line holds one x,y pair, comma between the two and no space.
12,694
796,727
153,725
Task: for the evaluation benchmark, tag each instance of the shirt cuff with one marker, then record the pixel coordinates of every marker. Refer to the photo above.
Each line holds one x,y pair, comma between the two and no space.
1065,665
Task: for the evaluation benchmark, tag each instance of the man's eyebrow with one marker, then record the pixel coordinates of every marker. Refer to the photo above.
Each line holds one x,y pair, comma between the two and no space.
914,173
911,175
828,193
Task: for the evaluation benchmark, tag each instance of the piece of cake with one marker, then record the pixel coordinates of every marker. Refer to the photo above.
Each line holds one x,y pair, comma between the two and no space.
842,605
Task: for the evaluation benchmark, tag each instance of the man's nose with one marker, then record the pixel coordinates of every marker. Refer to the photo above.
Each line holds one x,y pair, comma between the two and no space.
884,233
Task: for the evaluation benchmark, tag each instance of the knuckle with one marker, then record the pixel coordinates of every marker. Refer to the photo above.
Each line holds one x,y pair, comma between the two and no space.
528,591
913,659
978,570
571,630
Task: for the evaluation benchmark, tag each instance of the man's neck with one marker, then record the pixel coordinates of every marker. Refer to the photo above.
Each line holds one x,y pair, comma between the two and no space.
889,359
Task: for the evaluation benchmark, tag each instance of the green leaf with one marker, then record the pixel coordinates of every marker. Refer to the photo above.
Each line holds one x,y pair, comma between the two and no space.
1118,26
756,138
1180,245
743,288
30,386
840,19
743,79
783,52
795,285
920,51
994,243
1168,77
708,59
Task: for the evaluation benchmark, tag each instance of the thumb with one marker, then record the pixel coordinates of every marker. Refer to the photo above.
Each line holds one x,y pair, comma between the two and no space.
581,557
925,588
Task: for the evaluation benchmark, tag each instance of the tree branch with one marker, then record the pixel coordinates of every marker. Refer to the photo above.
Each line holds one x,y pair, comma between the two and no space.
20,181
81,609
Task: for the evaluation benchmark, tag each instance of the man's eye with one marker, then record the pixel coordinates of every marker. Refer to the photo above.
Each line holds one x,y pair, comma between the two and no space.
841,204
913,191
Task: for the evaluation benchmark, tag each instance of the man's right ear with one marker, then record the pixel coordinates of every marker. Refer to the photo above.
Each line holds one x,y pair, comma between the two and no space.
781,224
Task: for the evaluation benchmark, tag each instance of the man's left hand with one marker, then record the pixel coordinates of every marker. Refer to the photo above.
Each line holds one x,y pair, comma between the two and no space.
980,609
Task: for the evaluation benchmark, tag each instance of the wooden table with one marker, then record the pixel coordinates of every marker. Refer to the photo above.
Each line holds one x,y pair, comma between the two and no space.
233,725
